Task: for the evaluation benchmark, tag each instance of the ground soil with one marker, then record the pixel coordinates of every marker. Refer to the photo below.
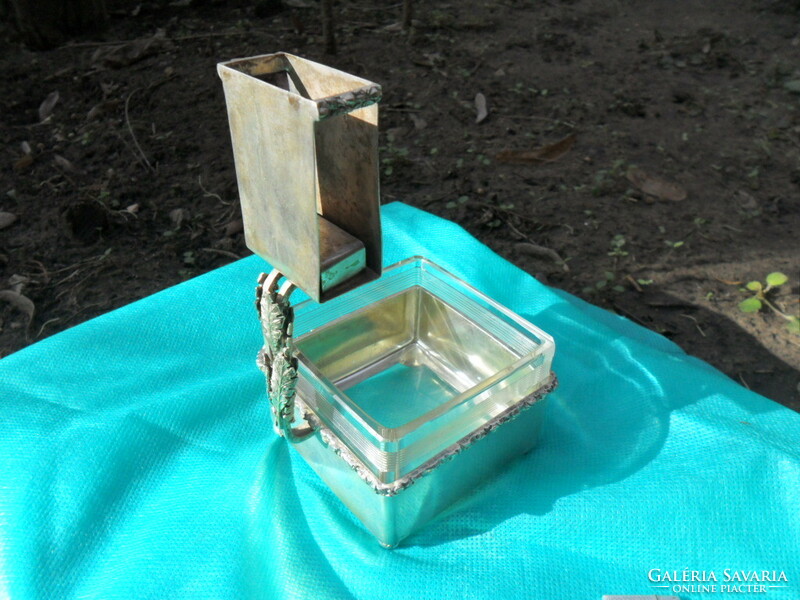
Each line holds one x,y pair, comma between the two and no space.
602,115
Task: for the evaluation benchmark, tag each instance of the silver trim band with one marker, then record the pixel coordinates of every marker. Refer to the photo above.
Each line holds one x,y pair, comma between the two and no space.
393,488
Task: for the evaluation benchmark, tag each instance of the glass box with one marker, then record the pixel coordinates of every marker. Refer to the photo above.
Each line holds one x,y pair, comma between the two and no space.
404,381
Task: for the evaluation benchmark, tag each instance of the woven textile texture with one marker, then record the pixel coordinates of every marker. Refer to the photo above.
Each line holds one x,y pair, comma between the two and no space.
137,460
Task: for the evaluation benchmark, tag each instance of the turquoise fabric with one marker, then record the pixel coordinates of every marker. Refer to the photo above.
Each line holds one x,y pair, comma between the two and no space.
137,460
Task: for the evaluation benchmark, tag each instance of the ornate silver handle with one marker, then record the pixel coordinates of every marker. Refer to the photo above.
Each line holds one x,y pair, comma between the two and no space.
277,359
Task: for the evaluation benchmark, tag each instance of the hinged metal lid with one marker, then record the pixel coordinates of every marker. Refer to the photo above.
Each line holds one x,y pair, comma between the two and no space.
305,144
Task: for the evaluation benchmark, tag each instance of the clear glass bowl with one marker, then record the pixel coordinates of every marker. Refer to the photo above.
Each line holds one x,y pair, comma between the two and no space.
402,372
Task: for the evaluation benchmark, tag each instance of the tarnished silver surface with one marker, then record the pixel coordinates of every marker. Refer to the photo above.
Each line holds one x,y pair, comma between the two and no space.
277,358
395,487
349,101
305,144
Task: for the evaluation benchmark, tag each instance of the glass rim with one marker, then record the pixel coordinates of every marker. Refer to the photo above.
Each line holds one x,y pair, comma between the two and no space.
382,433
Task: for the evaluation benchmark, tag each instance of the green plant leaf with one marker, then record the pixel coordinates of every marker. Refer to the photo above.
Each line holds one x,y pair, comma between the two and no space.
776,279
794,325
750,305
754,286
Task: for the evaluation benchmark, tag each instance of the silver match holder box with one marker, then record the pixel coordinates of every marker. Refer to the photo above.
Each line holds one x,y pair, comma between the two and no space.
404,390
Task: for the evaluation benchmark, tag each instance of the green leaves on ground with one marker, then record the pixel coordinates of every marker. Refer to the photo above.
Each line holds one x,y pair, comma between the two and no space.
750,305
760,299
776,279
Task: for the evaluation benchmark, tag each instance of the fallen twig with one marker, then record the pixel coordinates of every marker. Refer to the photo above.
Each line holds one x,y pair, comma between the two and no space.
544,154
180,38
208,193
696,324
84,261
634,283
518,232
133,135
507,211
744,383
45,324
221,252
554,256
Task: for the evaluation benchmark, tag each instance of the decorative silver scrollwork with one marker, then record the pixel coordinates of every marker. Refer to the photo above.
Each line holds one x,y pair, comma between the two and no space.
348,101
277,358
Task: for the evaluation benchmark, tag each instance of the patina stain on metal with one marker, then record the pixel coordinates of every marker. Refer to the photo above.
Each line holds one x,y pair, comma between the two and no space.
305,140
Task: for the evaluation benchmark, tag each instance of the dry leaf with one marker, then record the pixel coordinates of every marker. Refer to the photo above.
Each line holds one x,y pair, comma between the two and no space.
101,108
538,251
655,186
793,86
234,227
419,122
177,216
7,219
435,58
480,106
64,163
126,54
46,107
17,282
545,154
24,162
729,282
746,201
95,111
20,302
